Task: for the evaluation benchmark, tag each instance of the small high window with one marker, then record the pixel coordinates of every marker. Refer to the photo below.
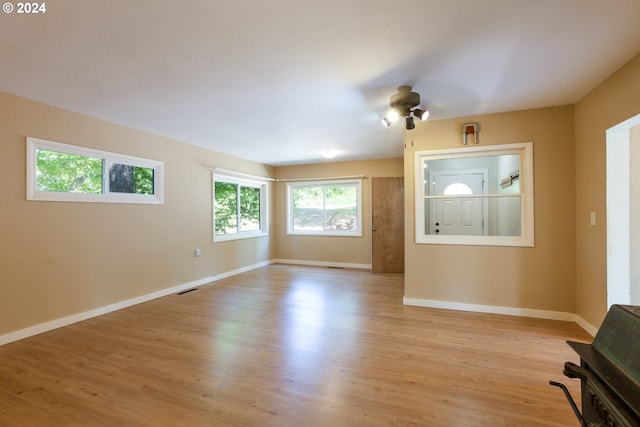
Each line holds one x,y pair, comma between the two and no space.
62,172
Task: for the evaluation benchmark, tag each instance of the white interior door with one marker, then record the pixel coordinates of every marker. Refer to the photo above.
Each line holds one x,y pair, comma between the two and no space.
462,216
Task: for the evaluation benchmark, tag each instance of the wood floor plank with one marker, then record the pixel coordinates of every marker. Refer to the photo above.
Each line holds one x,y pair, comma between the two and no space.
291,346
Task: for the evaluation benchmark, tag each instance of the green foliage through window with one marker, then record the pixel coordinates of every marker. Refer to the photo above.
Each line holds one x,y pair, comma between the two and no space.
237,208
324,208
74,173
226,208
68,173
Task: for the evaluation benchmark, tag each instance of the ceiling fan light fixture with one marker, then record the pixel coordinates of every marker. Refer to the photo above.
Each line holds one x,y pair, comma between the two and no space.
421,114
409,123
404,104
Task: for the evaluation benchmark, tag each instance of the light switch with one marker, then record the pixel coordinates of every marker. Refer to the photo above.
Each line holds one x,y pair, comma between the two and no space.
592,220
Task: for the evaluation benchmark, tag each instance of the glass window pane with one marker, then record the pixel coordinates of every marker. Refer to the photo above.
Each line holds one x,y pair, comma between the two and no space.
308,207
341,210
496,162
68,173
249,208
144,179
506,214
226,208
121,178
468,216
457,216
130,179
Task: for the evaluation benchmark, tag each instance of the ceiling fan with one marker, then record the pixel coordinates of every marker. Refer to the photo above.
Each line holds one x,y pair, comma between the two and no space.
402,105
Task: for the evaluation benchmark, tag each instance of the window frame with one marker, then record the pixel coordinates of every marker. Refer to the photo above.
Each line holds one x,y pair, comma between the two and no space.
526,195
357,183
35,144
263,186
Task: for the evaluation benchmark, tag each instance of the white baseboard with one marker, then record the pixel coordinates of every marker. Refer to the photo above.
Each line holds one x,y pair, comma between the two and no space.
322,263
64,321
591,330
509,311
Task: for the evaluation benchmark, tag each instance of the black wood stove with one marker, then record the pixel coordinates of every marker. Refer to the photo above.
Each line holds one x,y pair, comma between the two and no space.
609,372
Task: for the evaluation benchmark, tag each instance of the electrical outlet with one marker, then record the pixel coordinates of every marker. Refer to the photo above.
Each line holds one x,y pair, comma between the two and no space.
197,252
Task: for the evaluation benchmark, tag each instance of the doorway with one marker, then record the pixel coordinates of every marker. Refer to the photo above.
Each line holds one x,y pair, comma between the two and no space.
387,225
623,213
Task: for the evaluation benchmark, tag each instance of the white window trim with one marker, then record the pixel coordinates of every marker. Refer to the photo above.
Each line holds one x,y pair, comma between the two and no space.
264,200
34,144
340,233
526,239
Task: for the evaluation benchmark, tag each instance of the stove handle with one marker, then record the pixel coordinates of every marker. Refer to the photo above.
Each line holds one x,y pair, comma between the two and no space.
571,402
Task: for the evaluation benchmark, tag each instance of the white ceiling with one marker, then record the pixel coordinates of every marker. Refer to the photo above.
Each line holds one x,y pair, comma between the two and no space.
280,81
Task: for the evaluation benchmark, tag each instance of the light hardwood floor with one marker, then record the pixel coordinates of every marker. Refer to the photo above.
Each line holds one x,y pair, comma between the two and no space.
291,346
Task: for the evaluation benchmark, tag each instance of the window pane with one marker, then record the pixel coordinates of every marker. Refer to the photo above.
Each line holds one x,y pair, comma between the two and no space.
341,211
68,173
496,163
144,180
507,216
467,216
130,179
226,208
249,208
324,209
308,207
457,216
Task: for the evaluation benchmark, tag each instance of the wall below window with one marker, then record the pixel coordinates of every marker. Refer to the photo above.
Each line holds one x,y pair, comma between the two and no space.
58,259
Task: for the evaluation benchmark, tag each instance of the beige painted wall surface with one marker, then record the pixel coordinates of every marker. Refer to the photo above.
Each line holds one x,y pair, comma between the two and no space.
614,101
542,277
58,259
348,250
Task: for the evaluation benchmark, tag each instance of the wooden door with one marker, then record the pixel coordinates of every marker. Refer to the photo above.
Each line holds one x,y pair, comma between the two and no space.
387,225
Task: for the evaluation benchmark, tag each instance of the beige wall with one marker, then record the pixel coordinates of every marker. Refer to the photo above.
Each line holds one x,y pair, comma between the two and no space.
612,102
58,259
542,277
331,250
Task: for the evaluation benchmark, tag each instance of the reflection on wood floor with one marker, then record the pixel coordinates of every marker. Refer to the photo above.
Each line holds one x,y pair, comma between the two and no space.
291,346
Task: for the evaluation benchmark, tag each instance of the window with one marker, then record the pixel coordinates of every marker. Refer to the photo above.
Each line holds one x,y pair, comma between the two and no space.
475,196
239,208
325,208
62,172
